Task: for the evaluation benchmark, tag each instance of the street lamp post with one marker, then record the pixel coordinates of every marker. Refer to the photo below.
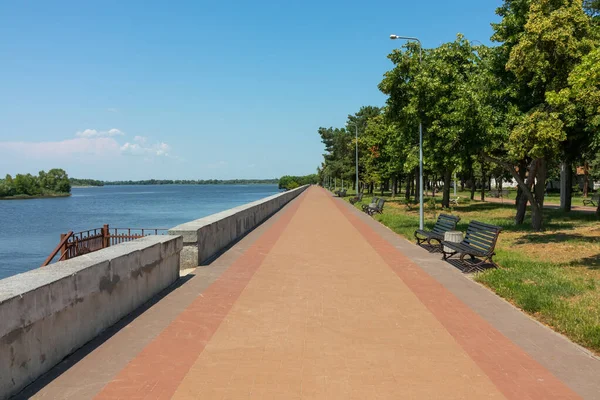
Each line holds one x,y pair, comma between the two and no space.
356,159
421,202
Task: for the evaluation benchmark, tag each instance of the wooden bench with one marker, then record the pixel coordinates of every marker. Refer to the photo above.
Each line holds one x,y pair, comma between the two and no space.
445,223
378,208
480,241
341,193
356,199
373,203
593,201
499,193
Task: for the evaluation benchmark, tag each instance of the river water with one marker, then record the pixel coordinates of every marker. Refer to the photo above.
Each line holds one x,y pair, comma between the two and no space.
30,229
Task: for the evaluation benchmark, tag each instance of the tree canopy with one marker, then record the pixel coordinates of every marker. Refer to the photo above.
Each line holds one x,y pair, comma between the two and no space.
53,182
519,109
292,182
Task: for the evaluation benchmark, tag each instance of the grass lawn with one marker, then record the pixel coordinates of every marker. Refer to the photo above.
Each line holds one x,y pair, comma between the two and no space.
551,198
552,275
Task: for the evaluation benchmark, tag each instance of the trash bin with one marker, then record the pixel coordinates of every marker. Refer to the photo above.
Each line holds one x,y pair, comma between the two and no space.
454,237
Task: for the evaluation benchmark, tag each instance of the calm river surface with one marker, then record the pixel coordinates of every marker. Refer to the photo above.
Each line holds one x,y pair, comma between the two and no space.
30,229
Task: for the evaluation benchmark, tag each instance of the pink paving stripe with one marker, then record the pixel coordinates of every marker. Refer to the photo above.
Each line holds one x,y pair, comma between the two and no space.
513,371
159,368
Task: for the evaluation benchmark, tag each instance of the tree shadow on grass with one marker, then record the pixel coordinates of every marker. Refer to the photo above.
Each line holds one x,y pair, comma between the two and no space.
591,262
559,237
582,216
475,207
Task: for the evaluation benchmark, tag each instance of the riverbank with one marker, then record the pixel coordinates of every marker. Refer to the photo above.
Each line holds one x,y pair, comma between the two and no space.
41,196
38,224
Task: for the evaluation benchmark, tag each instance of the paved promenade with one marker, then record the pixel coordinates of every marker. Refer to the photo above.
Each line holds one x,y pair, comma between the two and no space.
321,302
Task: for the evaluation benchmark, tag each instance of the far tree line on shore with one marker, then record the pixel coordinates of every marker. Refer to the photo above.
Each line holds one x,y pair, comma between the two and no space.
292,182
56,182
94,182
46,184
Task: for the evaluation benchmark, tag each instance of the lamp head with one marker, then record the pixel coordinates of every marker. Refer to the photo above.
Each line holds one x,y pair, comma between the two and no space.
393,37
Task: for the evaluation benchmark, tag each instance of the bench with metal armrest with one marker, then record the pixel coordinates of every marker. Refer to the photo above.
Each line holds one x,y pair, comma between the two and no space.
445,223
480,241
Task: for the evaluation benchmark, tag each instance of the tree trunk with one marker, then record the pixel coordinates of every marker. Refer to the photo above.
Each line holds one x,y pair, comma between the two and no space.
473,185
417,187
394,186
540,191
522,175
371,188
586,179
408,187
446,195
521,209
535,198
462,185
483,181
527,194
566,185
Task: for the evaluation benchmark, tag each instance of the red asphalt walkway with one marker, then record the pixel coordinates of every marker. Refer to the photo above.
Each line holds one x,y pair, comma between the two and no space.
321,302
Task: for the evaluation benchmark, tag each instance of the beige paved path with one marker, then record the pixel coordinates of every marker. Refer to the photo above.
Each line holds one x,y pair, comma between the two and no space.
318,306
325,317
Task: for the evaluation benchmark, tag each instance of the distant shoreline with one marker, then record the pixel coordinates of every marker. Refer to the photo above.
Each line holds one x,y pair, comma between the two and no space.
41,196
169,184
177,182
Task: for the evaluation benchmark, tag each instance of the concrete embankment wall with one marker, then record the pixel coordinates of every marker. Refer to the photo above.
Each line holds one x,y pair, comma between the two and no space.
207,237
46,314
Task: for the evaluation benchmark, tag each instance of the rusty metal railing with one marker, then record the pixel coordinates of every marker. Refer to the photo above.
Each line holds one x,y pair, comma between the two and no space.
75,244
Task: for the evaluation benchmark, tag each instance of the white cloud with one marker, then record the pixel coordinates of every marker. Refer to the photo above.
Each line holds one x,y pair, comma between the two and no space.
89,143
115,132
91,133
141,148
140,139
39,150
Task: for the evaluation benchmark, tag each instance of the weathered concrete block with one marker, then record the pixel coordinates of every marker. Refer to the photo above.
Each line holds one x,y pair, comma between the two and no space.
48,313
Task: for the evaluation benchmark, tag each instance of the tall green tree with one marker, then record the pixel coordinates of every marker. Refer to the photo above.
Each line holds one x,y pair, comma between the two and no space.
405,107
556,36
358,123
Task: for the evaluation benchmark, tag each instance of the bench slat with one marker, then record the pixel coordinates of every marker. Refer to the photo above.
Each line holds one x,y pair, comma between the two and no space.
482,230
482,234
483,241
465,249
479,246
485,226
448,225
480,240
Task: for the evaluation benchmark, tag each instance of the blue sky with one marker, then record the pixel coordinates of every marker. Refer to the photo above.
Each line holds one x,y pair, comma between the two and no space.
196,89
